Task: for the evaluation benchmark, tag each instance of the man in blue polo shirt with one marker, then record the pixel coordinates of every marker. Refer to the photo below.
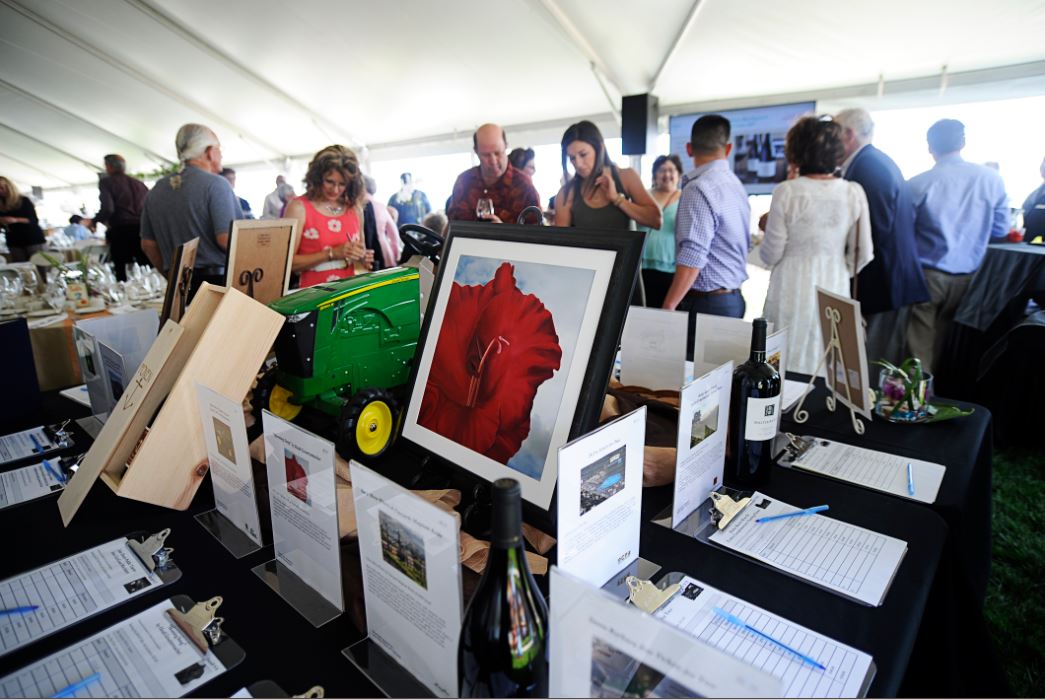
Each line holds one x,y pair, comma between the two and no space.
959,207
712,230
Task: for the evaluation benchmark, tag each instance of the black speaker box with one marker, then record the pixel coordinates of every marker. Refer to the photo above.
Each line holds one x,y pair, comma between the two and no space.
638,123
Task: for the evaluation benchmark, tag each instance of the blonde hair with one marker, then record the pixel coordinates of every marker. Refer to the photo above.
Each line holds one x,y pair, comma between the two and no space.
13,196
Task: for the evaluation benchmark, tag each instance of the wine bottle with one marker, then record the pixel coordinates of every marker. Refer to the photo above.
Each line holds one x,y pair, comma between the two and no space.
754,413
503,649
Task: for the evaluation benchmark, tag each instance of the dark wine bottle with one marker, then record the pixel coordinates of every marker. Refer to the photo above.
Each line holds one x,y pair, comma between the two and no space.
503,649
754,414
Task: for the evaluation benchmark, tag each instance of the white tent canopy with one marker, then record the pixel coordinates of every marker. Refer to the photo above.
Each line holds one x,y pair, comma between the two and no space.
82,78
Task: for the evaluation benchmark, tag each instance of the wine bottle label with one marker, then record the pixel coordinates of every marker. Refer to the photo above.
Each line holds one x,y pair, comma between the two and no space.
762,418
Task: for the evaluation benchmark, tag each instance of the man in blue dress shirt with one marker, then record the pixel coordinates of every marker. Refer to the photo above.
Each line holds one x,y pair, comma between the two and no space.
712,230
959,207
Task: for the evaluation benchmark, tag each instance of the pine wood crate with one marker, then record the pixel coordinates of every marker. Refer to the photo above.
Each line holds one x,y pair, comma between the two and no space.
151,448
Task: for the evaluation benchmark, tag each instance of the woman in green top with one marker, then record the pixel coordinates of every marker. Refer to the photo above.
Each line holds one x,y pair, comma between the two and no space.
658,257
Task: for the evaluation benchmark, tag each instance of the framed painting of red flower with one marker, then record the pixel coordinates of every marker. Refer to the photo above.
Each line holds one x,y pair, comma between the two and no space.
506,350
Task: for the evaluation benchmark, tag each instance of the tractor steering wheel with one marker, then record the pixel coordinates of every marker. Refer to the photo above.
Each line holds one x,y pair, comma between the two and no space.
419,240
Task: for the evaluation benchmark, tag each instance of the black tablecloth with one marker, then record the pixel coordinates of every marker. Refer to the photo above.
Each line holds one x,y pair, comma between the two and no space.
888,632
954,654
283,647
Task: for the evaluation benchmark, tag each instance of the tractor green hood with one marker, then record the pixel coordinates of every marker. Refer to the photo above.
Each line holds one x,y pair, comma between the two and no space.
323,295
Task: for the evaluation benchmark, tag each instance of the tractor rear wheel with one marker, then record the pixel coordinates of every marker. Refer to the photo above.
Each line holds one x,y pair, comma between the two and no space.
369,425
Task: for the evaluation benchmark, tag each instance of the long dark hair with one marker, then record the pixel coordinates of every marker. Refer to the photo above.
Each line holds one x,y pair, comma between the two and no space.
588,133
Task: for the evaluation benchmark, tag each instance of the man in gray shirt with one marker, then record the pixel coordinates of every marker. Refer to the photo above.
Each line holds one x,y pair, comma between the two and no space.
195,202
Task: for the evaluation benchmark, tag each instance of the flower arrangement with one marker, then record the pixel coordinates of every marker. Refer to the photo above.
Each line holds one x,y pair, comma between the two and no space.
905,394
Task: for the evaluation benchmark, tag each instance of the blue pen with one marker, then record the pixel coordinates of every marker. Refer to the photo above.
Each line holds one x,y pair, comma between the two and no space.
733,619
910,480
797,513
20,610
70,690
37,447
54,472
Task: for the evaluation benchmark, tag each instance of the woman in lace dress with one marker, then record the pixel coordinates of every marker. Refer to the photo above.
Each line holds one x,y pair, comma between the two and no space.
818,234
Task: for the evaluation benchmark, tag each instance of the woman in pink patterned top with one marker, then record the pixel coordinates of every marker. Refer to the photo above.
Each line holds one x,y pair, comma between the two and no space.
330,245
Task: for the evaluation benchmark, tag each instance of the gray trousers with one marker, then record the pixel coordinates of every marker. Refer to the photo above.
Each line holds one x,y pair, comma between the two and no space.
931,322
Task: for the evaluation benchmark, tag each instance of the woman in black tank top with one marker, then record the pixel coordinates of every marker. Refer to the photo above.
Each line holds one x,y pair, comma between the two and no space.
600,195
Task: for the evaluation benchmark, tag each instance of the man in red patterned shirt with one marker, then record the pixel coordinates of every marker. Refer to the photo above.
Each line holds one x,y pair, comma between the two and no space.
494,178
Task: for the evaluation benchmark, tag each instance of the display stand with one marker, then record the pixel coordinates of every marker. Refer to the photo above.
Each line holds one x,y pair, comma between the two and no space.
299,595
392,679
225,531
832,357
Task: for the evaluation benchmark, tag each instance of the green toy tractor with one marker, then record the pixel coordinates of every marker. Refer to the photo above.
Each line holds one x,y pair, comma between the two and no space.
346,350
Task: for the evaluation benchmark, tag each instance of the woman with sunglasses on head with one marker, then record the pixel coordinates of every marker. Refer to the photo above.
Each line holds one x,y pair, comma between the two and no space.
599,194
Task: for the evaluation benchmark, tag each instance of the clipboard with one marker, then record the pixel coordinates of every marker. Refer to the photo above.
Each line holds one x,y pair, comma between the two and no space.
149,549
199,651
270,689
673,579
58,438
722,505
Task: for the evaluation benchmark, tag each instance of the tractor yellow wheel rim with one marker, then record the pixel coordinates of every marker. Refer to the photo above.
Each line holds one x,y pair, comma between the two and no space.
374,427
279,403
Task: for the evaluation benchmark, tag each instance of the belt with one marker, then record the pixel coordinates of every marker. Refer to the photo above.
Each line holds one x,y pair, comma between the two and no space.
209,270
712,293
329,265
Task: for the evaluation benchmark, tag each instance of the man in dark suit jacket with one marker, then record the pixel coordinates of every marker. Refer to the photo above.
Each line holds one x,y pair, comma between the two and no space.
893,281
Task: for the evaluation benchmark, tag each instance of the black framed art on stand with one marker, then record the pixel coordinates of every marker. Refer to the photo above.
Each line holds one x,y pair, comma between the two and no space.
517,347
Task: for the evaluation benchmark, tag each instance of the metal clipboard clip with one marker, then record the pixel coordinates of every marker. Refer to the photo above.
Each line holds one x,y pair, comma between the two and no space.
199,623
315,692
151,551
645,595
725,508
797,446
59,435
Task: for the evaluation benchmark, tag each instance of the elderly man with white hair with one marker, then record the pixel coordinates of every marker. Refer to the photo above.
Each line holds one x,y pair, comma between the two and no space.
893,281
193,202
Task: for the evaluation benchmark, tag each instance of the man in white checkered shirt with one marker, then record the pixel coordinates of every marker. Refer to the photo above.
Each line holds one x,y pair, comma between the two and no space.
712,230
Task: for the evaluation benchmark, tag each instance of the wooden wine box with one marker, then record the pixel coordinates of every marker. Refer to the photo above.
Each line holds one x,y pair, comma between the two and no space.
151,448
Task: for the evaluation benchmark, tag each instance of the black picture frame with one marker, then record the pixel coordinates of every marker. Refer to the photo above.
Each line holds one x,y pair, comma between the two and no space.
563,245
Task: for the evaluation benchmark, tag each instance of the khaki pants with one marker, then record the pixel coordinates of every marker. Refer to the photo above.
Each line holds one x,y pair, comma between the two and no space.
931,322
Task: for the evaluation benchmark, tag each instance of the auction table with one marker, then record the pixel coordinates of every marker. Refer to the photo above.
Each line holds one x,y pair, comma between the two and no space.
282,647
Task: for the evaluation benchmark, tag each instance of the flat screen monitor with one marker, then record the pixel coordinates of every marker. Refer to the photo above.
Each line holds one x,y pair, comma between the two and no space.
758,135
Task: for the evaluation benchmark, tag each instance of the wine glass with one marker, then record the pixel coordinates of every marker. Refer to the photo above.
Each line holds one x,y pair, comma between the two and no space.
484,209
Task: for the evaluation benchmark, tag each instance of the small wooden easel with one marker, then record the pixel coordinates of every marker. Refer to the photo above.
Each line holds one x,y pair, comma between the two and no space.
832,357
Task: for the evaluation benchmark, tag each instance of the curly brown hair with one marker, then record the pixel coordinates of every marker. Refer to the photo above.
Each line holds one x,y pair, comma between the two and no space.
815,146
340,159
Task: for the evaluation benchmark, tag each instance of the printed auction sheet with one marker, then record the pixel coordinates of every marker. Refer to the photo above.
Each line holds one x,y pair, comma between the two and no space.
69,590
653,348
411,578
600,499
29,483
302,496
603,648
26,444
225,434
701,453
874,470
849,560
846,671
147,656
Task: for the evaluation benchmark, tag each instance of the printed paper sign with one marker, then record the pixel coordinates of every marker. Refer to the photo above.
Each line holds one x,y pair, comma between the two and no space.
302,495
653,348
718,339
225,434
600,499
29,483
701,454
411,578
602,648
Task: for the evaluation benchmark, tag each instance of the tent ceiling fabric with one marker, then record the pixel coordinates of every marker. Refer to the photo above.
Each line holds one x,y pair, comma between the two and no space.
81,78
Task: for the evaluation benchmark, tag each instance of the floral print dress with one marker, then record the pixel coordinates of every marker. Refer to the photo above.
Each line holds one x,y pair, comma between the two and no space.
321,231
